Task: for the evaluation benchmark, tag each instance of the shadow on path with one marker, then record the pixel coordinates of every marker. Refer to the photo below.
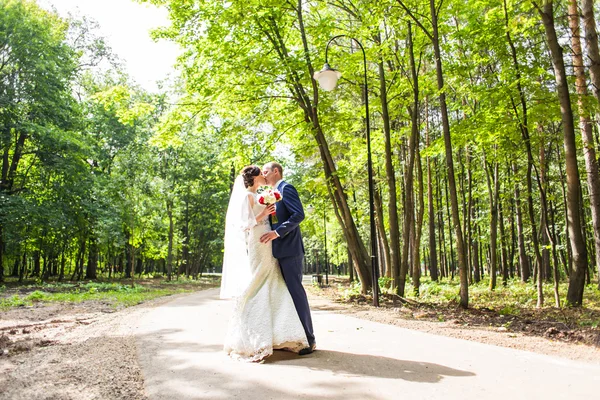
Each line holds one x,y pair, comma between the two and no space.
178,367
367,366
181,369
172,350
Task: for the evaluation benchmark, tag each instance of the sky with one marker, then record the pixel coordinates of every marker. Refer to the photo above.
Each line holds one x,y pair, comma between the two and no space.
125,25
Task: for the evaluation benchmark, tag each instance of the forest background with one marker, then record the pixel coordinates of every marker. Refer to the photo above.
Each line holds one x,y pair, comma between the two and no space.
484,123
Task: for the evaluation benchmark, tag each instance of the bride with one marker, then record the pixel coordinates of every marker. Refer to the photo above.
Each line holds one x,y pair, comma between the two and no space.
264,317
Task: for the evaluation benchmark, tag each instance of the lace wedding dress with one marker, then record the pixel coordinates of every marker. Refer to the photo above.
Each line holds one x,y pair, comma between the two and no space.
264,317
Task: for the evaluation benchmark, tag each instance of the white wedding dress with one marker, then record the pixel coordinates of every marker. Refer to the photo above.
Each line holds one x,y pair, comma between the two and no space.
264,317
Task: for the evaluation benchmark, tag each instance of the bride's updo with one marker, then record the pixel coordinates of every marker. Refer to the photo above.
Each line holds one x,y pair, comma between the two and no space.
249,173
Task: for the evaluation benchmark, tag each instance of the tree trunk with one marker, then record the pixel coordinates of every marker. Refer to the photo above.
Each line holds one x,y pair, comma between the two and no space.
126,256
170,245
23,270
504,252
591,41
568,258
36,263
442,236
494,194
416,240
554,242
433,262
386,251
469,213
545,238
513,236
464,282
79,260
524,127
534,232
394,227
132,249
451,264
46,268
524,268
409,208
577,278
92,264
61,274
186,239
475,247
16,158
585,123
16,267
350,267
1,255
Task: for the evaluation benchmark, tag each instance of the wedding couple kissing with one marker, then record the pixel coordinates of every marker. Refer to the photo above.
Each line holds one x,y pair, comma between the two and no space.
262,268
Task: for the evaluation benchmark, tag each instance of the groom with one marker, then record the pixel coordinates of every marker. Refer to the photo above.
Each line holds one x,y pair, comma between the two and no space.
288,248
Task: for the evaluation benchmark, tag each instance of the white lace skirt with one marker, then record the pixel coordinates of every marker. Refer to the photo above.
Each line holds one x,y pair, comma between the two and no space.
264,317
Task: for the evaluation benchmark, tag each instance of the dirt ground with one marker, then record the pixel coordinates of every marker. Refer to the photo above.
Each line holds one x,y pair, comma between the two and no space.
73,350
88,350
80,351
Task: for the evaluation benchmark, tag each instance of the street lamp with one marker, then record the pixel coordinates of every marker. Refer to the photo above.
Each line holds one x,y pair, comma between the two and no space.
325,242
328,78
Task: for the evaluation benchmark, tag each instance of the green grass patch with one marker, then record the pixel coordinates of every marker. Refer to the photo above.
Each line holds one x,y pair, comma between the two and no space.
351,291
507,300
13,301
124,296
116,293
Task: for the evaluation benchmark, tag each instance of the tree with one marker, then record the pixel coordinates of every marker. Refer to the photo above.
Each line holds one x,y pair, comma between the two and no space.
591,41
434,36
35,92
578,248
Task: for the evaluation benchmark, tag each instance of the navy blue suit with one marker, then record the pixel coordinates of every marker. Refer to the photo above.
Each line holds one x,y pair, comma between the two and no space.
288,249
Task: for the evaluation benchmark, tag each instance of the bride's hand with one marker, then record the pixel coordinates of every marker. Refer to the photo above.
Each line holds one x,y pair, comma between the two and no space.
270,209
267,210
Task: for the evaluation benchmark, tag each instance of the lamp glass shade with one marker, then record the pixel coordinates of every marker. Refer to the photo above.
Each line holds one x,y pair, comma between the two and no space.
327,77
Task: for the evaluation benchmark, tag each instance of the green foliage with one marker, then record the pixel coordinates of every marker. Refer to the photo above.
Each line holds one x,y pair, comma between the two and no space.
508,310
385,282
37,296
101,161
354,290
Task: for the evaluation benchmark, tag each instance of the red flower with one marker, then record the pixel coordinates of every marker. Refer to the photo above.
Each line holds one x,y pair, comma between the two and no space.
261,200
277,195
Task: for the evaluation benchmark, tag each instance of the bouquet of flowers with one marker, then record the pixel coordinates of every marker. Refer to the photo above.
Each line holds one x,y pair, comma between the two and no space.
270,196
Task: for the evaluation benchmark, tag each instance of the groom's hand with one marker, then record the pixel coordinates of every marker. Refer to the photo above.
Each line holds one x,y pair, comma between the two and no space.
267,237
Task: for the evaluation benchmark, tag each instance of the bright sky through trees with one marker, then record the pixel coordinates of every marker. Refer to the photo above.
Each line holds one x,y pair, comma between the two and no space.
126,25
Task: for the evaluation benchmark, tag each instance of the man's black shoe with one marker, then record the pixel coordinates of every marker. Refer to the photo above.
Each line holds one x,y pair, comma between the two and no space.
307,350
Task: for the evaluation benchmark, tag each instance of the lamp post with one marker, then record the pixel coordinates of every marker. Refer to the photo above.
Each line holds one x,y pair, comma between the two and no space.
328,78
325,242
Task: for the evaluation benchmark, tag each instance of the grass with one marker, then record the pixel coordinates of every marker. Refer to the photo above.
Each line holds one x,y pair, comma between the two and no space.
517,301
505,299
117,293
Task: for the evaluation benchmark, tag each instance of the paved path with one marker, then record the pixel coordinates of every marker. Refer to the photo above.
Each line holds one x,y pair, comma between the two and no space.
180,346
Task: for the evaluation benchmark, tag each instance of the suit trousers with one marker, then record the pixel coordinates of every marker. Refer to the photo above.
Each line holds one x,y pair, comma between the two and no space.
291,269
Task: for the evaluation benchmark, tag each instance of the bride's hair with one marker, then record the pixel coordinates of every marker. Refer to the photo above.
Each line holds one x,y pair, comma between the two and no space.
249,173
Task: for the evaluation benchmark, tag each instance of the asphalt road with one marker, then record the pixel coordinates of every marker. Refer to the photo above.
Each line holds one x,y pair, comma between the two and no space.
180,351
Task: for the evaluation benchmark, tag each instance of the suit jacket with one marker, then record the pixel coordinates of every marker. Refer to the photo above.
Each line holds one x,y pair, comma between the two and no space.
289,213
